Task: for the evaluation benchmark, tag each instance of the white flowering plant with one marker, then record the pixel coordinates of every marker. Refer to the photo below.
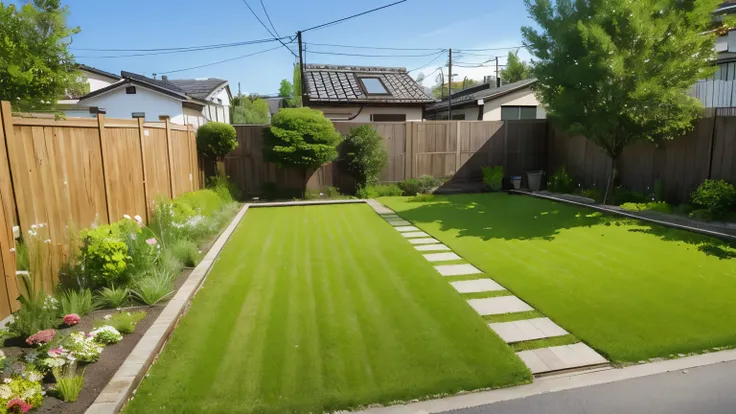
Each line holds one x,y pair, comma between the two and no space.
106,335
25,388
84,347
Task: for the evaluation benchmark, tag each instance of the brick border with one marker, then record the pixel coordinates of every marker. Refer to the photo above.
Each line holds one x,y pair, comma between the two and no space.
123,384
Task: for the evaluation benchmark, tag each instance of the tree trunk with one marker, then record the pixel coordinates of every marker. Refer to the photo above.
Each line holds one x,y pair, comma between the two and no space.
609,183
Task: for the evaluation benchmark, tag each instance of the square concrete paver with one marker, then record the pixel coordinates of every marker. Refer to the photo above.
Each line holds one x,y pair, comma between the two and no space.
397,223
406,228
499,305
475,286
426,240
432,248
457,269
442,257
557,358
415,234
527,330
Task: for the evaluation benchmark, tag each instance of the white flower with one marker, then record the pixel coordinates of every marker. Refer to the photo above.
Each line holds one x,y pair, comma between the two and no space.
7,380
33,226
42,225
12,250
5,391
35,376
47,241
126,216
107,317
138,218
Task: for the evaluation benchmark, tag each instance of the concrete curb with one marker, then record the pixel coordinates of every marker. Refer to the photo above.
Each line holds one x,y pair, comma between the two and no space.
556,383
630,215
122,385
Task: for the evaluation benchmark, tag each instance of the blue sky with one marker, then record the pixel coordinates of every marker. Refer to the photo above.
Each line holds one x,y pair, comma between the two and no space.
136,24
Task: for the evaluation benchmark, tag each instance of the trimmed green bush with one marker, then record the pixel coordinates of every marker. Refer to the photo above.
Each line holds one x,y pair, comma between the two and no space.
659,206
365,156
300,138
493,177
104,256
414,186
216,139
380,190
716,197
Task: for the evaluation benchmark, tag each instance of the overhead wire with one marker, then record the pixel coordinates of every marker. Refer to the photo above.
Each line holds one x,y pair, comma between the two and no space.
169,52
216,45
368,55
220,61
376,47
266,27
269,19
439,55
338,21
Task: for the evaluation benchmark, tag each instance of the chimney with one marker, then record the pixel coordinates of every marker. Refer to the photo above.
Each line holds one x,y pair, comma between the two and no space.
164,78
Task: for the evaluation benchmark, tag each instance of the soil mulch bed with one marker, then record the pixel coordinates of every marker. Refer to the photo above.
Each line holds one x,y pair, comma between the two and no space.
98,374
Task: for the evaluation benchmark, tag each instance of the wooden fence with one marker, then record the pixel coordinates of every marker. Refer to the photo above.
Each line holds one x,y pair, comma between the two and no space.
440,148
81,172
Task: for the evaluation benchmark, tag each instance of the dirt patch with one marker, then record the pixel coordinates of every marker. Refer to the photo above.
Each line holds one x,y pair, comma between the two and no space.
98,374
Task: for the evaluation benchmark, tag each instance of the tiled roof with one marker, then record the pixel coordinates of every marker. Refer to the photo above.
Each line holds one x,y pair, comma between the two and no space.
98,71
483,91
161,83
198,88
341,84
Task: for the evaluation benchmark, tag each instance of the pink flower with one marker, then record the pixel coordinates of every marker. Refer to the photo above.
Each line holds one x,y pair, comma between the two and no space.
71,319
41,337
152,241
16,405
54,352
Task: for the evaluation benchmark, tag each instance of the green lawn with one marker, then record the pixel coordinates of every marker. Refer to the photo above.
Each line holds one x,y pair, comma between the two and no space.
319,308
630,290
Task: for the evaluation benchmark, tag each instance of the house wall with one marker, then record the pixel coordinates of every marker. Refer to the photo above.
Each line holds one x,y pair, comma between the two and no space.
121,105
524,97
194,117
337,113
96,81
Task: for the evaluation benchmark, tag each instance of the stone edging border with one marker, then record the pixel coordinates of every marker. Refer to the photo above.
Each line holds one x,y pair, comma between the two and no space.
628,215
123,384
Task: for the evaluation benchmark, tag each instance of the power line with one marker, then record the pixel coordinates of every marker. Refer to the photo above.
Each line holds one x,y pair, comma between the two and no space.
497,48
220,61
187,48
266,27
376,47
367,55
174,51
269,19
334,22
439,55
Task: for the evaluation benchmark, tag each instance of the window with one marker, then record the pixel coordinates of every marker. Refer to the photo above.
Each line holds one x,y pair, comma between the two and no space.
514,113
458,117
138,114
388,117
373,86
130,90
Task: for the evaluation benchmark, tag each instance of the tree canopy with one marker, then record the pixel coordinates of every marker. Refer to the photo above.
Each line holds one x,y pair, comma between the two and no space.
249,110
516,69
36,67
443,91
618,71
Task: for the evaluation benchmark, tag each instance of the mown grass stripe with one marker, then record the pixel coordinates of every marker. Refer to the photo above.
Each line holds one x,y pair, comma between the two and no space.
510,317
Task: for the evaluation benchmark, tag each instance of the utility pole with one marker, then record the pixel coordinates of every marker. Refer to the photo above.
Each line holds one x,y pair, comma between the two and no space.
498,80
302,82
449,89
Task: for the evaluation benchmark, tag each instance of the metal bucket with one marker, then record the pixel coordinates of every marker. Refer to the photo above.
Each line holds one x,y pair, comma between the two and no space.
534,179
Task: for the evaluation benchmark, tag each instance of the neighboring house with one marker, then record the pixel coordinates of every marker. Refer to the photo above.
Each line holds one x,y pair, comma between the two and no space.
364,94
486,102
720,90
275,103
185,101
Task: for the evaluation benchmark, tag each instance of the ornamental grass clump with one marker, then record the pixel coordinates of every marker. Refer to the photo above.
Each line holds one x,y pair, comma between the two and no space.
76,302
155,287
69,383
113,297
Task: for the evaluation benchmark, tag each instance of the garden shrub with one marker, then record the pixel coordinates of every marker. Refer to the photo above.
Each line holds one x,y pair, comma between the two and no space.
105,256
216,139
428,182
106,335
380,190
69,383
422,198
38,310
493,177
187,252
591,193
410,186
84,347
124,322
154,287
20,393
717,197
658,206
365,156
224,188
560,182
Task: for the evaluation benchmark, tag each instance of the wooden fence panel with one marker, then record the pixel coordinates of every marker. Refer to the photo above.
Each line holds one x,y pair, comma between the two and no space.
8,286
124,171
183,173
157,168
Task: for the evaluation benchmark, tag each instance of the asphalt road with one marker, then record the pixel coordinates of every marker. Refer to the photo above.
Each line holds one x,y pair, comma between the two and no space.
704,390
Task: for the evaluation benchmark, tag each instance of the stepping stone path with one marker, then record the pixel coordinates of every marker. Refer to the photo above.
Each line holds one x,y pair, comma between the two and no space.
539,361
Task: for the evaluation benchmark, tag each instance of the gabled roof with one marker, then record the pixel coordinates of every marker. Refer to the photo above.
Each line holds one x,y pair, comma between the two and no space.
341,84
100,72
199,88
483,91
159,85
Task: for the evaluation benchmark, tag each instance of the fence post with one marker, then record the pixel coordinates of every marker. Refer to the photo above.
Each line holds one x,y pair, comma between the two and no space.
103,157
170,160
408,150
141,133
7,209
457,146
191,159
6,118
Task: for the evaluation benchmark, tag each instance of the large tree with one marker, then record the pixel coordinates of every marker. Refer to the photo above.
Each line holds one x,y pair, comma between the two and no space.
249,110
516,69
617,71
36,67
